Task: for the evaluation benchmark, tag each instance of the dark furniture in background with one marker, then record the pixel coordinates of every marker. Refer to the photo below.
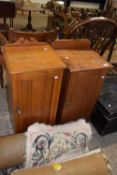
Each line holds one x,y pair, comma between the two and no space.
4,29
45,36
29,9
7,10
104,117
101,31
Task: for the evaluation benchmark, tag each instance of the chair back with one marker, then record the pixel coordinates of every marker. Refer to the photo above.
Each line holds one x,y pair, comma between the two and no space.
101,31
45,36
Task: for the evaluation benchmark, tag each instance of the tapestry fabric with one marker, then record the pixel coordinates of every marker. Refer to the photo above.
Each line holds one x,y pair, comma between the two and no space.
47,144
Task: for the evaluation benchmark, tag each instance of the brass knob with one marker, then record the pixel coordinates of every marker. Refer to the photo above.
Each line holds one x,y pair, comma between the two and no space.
67,103
102,76
56,77
18,110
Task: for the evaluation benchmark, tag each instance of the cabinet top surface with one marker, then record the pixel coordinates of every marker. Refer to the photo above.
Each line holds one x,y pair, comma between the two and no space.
31,58
82,60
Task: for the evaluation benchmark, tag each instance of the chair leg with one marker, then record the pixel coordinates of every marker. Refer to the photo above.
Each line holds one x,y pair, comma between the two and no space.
1,77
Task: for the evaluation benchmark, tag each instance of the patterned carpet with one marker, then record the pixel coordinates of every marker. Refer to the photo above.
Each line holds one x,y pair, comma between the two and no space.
107,143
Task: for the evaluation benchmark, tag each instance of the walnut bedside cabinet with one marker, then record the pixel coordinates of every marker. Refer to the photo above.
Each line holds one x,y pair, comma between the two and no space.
82,83
34,82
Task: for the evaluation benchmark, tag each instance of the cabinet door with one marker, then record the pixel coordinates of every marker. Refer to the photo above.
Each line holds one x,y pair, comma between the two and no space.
82,92
35,98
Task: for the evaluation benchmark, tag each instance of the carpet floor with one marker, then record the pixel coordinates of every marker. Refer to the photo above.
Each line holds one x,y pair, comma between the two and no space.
108,143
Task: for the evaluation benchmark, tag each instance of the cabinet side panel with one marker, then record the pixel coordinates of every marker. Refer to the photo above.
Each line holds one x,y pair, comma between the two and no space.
63,92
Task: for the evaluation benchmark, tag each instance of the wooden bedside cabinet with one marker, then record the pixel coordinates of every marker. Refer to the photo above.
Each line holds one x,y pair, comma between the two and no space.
82,83
34,81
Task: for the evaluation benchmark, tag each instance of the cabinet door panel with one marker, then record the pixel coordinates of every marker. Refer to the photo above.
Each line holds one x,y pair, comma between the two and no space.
21,101
36,99
82,93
